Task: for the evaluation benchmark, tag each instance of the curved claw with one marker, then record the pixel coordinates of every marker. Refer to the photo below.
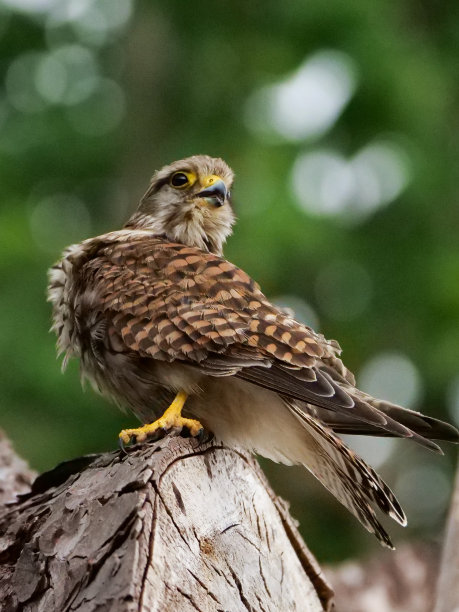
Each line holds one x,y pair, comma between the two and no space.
186,433
204,436
170,423
122,447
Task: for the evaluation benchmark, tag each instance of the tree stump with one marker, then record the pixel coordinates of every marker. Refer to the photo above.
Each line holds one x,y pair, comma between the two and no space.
172,526
15,476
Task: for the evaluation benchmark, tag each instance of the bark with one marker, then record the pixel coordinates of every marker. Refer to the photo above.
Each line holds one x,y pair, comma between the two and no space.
15,475
171,526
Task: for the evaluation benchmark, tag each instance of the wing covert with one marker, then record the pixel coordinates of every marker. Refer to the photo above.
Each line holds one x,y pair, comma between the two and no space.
170,301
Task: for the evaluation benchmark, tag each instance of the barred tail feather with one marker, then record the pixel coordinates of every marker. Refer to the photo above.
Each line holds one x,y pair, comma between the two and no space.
354,483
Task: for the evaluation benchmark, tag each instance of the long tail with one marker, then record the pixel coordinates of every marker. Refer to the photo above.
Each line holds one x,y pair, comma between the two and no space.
423,426
354,483
282,429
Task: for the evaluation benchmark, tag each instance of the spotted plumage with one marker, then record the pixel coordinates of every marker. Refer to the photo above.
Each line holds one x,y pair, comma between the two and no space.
154,309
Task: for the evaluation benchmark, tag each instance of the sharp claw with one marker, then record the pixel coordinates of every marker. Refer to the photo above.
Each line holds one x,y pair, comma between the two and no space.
122,447
154,432
206,436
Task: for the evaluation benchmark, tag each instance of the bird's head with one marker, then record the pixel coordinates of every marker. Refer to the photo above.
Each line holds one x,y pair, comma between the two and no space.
189,202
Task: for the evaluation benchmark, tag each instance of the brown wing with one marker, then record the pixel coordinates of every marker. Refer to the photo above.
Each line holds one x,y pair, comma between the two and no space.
169,301
172,302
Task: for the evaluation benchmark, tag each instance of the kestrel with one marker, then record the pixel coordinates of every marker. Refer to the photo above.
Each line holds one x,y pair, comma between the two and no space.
158,318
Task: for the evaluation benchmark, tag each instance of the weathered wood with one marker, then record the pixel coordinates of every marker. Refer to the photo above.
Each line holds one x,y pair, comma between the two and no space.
390,581
171,526
448,581
15,475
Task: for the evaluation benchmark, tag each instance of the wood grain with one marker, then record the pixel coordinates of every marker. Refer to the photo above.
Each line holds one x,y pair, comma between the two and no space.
171,526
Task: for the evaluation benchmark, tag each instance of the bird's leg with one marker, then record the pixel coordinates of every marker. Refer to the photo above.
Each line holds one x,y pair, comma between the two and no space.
172,418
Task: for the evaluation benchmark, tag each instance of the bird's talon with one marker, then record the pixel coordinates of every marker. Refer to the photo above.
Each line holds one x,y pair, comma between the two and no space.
122,447
171,422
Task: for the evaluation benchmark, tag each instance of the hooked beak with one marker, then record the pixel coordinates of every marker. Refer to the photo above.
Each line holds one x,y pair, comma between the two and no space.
214,194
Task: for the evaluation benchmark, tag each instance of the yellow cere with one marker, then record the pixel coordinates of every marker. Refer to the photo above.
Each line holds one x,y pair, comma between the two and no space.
207,181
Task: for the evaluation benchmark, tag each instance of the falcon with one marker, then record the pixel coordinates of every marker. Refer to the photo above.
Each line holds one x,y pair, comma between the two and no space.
162,323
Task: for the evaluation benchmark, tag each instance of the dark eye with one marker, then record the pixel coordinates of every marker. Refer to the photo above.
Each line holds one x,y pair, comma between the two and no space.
179,179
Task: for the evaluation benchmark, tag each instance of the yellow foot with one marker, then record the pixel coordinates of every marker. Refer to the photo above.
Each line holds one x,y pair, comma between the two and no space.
171,419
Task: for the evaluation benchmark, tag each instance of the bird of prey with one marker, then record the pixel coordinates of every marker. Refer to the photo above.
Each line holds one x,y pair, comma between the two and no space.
160,320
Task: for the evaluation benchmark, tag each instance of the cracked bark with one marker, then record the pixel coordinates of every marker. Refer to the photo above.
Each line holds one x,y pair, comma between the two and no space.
172,526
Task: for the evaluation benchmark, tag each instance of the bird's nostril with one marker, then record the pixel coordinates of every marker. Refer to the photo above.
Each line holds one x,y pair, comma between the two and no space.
216,191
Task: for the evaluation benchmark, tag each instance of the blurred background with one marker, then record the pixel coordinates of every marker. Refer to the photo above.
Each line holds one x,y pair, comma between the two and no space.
341,123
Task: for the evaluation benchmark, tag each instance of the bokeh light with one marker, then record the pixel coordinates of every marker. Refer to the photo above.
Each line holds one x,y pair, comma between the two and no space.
58,220
68,75
31,6
104,14
326,183
299,308
101,112
20,87
393,377
307,103
425,492
94,22
374,450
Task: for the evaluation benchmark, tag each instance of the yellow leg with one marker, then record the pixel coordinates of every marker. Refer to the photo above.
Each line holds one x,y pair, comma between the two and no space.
171,418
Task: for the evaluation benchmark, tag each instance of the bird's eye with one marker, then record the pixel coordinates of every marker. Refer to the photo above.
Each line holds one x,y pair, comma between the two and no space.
179,179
